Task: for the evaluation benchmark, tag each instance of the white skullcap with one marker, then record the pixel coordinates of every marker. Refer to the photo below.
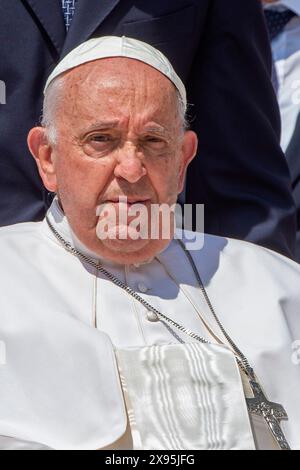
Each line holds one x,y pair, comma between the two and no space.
113,46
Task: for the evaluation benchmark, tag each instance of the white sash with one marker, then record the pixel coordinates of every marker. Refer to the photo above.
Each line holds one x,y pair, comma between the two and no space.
184,396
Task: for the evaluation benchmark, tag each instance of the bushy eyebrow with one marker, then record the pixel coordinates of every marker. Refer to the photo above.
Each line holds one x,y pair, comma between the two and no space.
105,125
101,125
156,129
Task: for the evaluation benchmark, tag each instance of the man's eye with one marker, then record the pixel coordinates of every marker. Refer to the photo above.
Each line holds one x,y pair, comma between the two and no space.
101,138
153,139
155,142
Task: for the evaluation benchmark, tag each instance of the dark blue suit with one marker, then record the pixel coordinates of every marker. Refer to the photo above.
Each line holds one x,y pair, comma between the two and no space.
219,48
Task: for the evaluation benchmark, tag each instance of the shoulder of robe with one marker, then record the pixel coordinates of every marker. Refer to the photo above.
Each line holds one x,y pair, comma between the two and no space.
18,230
19,240
246,259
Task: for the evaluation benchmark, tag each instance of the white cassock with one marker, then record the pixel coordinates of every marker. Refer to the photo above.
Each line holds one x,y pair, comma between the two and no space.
60,378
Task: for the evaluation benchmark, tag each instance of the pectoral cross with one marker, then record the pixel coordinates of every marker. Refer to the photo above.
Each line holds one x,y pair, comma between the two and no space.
271,412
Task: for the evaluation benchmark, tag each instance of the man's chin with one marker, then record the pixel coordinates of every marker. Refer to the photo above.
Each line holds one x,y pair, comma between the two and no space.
128,245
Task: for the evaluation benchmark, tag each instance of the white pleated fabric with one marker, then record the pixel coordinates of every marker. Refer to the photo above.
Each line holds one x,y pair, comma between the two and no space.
185,396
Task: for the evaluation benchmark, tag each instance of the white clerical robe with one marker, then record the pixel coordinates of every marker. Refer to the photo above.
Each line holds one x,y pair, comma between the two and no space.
59,383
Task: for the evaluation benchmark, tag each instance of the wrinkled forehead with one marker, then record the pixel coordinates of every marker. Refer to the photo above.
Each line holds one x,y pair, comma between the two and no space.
117,72
117,82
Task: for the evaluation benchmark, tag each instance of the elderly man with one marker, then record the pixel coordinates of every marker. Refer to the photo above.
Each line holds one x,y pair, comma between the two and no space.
117,340
220,50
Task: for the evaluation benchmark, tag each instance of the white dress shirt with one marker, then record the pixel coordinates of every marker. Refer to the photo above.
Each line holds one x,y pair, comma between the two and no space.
286,56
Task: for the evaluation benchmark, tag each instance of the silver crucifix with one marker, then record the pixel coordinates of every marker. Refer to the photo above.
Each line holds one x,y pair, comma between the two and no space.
271,412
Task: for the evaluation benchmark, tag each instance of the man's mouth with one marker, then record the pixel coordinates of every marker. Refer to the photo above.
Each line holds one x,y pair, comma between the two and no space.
128,200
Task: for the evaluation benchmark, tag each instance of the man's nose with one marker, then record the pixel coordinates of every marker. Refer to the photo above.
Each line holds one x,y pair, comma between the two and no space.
130,164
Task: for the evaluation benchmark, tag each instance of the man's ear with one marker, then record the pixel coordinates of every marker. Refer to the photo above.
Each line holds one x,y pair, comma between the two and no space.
42,152
188,152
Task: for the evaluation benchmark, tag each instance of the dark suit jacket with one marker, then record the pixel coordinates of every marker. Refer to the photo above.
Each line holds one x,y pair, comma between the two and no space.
219,48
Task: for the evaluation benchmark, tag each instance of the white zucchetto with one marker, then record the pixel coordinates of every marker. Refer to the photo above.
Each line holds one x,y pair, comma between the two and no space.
113,46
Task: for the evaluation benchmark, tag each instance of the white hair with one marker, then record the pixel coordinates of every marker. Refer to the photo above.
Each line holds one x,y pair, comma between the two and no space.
54,93
52,96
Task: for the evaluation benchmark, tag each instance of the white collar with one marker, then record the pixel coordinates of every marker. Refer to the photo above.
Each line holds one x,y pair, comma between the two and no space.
293,5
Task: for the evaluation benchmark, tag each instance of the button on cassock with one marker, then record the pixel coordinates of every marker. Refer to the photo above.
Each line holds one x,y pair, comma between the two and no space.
151,316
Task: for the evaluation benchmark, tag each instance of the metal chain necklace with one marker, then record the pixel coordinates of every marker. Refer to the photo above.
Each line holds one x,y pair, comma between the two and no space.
259,405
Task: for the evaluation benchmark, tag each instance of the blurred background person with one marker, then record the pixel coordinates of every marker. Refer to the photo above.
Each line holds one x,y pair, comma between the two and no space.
283,21
221,51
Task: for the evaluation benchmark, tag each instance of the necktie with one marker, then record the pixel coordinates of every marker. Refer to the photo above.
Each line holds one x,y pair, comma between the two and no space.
277,20
68,7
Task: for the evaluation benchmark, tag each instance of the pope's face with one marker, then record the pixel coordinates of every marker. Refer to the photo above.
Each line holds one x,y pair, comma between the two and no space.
118,135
